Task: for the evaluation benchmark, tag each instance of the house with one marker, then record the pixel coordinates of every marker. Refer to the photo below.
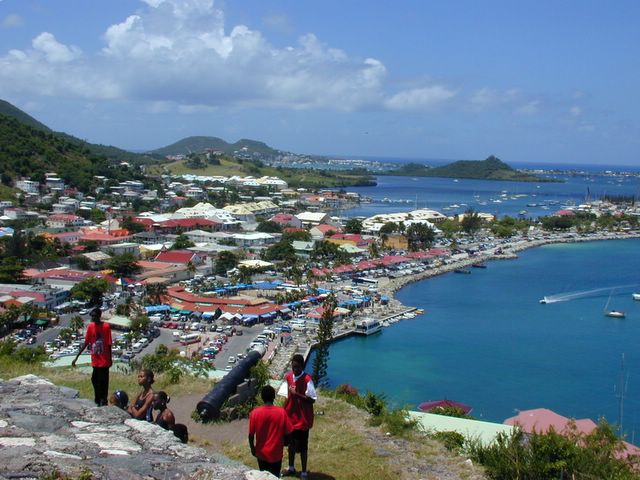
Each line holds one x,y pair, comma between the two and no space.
312,219
254,239
323,230
122,248
286,220
179,256
64,220
396,242
97,260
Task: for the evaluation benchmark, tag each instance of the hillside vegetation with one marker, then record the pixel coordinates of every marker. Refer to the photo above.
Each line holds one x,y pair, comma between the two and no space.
30,152
490,169
226,166
200,144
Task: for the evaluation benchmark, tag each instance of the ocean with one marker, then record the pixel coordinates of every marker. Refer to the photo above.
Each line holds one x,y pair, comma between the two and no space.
485,340
516,199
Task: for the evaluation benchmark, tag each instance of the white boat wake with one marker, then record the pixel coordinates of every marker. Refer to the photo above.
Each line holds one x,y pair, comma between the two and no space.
596,292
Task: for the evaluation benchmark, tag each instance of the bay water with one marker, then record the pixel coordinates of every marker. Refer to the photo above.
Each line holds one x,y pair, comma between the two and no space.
485,339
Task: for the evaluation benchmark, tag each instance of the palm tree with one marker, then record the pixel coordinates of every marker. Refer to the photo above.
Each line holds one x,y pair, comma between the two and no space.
155,292
191,268
76,323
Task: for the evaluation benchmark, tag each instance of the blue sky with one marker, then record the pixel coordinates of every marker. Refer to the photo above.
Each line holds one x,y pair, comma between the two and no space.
528,81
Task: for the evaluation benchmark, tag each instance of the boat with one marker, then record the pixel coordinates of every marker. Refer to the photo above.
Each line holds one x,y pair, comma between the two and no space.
462,270
613,313
479,265
368,326
635,296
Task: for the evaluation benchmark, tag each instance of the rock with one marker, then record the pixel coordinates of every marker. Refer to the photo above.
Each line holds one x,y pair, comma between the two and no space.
47,431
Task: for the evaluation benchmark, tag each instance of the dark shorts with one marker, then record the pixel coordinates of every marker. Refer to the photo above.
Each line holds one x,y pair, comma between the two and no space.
300,440
273,467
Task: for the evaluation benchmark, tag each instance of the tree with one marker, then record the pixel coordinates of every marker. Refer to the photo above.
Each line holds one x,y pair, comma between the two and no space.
91,290
11,270
353,225
182,242
282,251
155,292
323,339
123,265
299,235
81,262
388,228
139,323
226,261
268,226
191,268
420,236
471,222
133,227
76,323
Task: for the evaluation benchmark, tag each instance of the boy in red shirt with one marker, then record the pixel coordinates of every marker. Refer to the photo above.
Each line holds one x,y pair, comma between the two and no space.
301,395
269,427
98,337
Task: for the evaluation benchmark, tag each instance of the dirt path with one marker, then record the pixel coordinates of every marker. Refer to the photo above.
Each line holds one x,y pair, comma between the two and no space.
210,436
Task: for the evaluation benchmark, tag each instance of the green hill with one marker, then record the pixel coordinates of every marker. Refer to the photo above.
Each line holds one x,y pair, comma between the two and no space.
490,169
9,110
200,144
30,152
113,154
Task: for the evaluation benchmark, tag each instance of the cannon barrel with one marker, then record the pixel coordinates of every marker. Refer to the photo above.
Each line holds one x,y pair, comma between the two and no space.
209,406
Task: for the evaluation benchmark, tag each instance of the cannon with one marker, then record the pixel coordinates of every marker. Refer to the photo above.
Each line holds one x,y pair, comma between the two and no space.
209,406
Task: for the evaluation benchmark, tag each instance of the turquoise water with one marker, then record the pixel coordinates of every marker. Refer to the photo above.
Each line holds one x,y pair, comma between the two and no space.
485,340
495,197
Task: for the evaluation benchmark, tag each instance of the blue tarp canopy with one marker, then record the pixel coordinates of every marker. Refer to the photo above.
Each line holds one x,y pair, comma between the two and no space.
157,308
208,314
267,285
268,315
185,312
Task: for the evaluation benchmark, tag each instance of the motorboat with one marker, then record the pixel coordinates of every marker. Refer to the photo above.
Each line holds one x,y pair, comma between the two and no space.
636,296
615,314
479,265
543,300
462,270
368,326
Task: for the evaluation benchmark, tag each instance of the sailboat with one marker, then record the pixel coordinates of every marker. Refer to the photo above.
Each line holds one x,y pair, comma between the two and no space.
613,313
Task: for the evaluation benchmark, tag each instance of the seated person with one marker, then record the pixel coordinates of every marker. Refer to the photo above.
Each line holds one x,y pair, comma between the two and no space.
142,408
119,399
165,418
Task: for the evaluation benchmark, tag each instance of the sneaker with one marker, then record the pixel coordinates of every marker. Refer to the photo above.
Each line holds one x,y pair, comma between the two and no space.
289,472
304,475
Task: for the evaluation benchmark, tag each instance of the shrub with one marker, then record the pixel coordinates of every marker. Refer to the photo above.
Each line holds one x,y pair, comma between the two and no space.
347,390
453,441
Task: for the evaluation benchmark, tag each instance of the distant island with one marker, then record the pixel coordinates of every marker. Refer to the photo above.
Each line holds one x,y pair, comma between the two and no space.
491,168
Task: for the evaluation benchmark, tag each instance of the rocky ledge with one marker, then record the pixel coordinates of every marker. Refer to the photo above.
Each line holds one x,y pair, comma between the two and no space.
47,431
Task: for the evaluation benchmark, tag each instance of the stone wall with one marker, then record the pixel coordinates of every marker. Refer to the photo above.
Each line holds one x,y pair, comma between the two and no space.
46,430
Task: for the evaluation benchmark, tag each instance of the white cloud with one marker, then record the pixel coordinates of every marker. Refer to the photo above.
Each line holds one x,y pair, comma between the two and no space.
54,51
179,53
12,21
486,98
575,111
529,108
420,98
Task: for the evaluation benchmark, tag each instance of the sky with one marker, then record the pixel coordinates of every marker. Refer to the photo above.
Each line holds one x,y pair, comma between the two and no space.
529,81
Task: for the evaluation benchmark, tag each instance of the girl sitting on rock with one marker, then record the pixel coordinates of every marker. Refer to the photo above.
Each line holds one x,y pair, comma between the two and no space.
142,407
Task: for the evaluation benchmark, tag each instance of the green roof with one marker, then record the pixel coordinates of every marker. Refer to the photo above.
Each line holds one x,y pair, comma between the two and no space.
486,432
117,321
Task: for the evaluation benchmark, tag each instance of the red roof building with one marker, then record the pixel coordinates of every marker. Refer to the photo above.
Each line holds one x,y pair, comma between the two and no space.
178,256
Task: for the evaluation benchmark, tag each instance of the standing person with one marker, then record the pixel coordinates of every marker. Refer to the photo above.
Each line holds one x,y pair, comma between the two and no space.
142,407
269,427
98,338
301,395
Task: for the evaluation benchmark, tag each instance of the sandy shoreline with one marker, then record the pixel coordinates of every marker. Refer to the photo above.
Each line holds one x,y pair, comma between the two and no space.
509,252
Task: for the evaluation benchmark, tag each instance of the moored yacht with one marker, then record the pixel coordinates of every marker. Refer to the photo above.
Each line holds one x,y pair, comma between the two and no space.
368,326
